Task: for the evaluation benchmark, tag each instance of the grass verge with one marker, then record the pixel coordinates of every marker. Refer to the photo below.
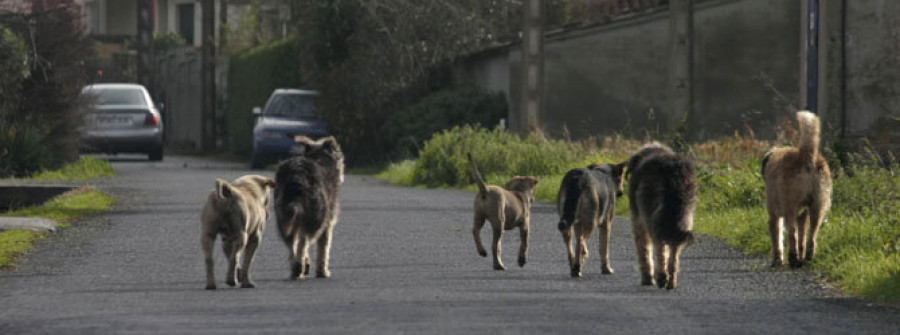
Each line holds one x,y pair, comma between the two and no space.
858,245
64,209
83,169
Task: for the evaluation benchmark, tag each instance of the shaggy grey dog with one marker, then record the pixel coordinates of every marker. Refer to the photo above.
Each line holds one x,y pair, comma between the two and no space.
662,190
307,203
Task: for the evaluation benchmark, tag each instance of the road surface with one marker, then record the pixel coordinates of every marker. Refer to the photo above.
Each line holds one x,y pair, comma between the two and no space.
403,261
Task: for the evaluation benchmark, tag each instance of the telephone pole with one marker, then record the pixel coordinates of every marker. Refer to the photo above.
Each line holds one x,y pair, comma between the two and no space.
681,21
532,99
208,77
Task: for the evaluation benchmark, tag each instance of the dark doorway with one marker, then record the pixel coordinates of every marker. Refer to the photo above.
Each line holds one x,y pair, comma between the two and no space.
186,22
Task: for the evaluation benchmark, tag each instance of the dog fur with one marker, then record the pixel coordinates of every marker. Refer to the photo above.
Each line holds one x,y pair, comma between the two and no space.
797,181
662,190
237,211
587,200
506,209
307,202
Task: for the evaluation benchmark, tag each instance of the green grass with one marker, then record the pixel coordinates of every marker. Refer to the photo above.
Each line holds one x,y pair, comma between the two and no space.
83,169
63,209
858,245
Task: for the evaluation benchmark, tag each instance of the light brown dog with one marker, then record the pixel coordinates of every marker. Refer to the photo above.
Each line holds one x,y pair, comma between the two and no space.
798,190
237,211
506,209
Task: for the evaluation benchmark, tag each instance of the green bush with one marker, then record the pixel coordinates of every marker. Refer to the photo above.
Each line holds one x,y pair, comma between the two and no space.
496,152
407,129
42,78
252,76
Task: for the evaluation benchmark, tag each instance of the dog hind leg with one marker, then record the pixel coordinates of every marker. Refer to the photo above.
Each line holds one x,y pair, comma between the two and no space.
674,260
661,251
324,244
817,214
476,232
498,234
790,224
249,253
567,239
642,243
208,241
233,248
605,231
523,247
802,224
775,228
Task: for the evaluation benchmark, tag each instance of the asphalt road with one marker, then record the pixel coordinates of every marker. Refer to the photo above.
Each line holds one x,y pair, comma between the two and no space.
403,261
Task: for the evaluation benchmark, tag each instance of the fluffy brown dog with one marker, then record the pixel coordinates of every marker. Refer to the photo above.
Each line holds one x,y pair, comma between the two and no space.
237,211
797,181
505,209
662,190
307,202
587,200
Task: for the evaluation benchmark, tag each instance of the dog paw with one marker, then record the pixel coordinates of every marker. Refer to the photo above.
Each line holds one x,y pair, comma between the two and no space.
646,280
323,273
248,285
670,285
499,267
230,282
522,262
607,270
482,253
661,281
776,264
575,272
296,270
795,262
210,286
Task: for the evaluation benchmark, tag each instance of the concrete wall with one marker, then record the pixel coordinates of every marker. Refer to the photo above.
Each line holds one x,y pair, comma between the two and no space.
121,17
872,79
613,78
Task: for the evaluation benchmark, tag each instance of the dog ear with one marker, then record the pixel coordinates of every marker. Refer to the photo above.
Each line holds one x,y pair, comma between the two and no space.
223,189
330,144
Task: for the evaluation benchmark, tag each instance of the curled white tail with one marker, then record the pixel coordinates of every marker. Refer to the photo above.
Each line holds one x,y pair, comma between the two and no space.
809,136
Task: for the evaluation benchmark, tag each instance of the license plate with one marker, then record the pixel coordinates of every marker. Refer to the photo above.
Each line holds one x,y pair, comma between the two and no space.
108,121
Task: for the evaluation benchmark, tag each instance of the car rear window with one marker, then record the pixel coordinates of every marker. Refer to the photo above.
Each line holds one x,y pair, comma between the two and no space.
292,105
118,96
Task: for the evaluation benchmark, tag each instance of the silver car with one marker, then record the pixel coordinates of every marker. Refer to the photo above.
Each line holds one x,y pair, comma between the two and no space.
122,119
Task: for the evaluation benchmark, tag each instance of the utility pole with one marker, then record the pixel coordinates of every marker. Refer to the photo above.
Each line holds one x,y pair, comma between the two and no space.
145,42
223,26
811,59
208,77
681,21
532,99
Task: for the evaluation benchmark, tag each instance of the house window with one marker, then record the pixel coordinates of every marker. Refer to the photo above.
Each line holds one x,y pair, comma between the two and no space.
186,22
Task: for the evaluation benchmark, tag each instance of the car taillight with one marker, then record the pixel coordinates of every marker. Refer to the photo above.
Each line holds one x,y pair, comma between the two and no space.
151,120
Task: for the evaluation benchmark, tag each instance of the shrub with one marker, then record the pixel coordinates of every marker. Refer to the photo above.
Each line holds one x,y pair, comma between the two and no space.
252,76
407,129
443,159
40,108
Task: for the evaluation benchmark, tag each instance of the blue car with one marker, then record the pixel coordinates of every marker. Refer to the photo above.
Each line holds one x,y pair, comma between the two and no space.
288,113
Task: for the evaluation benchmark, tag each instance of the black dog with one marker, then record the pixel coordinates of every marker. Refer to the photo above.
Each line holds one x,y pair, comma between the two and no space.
307,203
662,190
587,200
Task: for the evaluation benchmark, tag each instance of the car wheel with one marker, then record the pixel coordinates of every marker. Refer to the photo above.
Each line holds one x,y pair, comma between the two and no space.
157,154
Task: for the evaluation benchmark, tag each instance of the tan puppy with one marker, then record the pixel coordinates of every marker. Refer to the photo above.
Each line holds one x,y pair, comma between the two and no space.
505,209
797,181
237,211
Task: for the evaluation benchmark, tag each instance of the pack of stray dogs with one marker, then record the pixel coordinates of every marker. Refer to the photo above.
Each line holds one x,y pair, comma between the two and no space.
662,193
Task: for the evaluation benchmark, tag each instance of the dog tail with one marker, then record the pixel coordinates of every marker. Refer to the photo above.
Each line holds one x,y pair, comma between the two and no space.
482,190
567,198
679,199
809,136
